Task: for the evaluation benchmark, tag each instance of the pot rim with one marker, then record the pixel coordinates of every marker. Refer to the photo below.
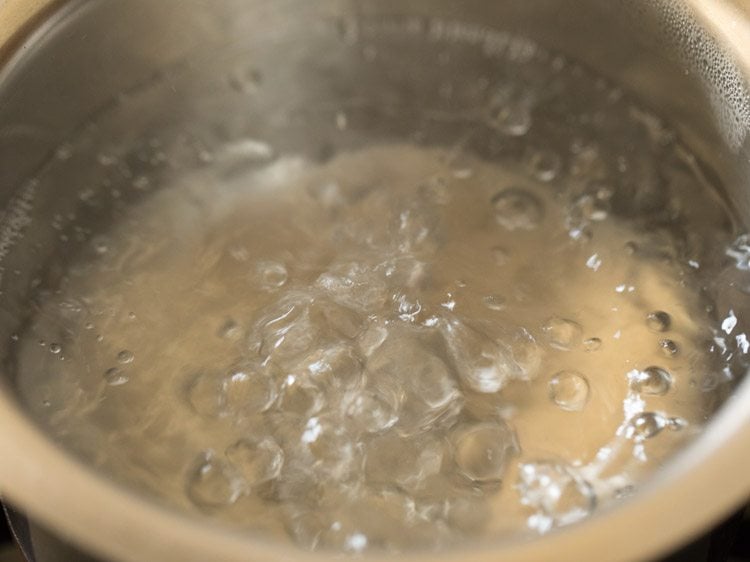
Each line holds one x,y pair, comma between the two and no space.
20,18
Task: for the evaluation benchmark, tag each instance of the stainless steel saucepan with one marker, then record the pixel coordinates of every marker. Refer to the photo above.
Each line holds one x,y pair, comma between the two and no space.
63,62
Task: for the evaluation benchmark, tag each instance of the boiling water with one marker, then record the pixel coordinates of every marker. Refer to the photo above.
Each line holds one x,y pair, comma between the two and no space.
491,313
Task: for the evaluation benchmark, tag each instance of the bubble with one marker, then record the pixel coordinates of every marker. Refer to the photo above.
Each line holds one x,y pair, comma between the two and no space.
588,207
569,390
429,391
449,304
562,334
739,251
204,395
355,285
594,262
298,486
368,518
677,424
301,397
116,377
482,364
100,245
288,332
335,453
729,323
125,357
417,229
418,416
669,348
248,389
231,331
580,232
307,527
372,339
645,426
527,354
344,320
405,462
592,344
212,483
653,381
408,308
406,272
248,150
375,408
336,367
256,460
511,118
544,165
556,492
463,173
483,451
344,534
239,253
658,321
55,348
494,302
517,209
342,121
272,275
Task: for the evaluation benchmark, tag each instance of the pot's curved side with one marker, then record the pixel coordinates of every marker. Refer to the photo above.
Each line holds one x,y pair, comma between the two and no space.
728,24
18,16
729,21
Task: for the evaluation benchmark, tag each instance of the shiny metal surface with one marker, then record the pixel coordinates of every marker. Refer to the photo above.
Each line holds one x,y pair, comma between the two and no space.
85,53
17,15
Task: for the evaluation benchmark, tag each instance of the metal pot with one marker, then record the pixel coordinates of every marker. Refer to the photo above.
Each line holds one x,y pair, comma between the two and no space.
689,60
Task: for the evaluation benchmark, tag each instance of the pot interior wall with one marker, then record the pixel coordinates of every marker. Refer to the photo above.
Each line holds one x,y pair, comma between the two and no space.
86,58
